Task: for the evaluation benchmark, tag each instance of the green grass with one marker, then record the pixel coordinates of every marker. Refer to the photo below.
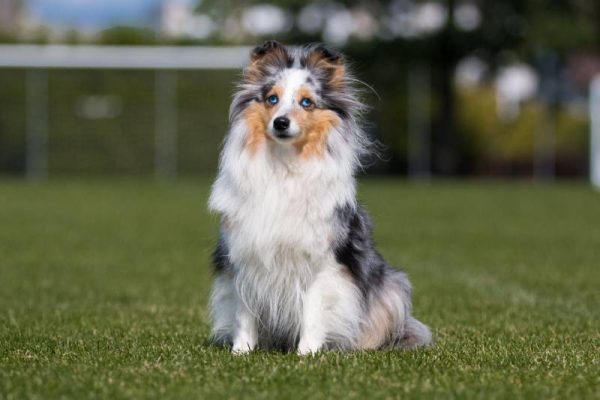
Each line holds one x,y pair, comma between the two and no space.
103,290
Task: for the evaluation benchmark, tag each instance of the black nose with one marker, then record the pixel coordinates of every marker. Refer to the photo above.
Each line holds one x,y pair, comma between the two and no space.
281,123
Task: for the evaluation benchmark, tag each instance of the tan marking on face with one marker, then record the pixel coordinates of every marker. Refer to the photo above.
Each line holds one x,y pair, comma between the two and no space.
315,126
255,120
258,115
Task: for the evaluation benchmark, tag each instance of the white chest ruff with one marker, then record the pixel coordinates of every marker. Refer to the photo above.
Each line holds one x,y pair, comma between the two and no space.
279,224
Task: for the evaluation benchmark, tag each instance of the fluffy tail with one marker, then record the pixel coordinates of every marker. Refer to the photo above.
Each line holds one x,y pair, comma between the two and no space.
416,334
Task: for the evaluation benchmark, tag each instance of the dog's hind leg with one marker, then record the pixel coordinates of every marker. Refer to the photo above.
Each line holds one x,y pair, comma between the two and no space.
388,322
233,323
416,334
223,302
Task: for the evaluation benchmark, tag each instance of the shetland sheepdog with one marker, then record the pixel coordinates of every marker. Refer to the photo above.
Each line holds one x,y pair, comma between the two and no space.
296,266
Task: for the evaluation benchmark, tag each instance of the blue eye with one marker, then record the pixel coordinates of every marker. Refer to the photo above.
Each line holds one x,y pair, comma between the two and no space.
306,102
272,99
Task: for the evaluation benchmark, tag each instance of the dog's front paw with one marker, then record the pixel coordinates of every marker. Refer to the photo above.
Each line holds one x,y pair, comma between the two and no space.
241,349
306,347
243,345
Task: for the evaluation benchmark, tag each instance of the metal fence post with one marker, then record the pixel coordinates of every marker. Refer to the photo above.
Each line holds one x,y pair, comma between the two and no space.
595,132
544,157
36,124
419,141
165,125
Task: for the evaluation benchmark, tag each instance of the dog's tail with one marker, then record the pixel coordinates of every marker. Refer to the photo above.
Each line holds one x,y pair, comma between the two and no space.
416,334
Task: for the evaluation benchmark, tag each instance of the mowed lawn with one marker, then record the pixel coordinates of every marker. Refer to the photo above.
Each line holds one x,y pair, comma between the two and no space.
104,285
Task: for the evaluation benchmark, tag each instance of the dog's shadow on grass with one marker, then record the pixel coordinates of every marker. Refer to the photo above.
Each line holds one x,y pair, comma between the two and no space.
209,344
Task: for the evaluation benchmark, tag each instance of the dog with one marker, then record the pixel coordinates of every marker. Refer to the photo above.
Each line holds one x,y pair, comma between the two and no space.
296,266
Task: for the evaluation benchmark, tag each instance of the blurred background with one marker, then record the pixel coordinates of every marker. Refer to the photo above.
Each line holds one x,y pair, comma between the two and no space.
456,88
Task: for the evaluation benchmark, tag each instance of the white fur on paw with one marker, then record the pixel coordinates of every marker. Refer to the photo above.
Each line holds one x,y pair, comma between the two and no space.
305,347
240,349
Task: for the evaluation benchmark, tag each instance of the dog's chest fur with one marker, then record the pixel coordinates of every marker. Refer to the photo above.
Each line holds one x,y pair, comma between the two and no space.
279,223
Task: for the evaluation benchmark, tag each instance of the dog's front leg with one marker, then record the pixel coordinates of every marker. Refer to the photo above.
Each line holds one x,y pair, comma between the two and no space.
312,335
245,335
332,312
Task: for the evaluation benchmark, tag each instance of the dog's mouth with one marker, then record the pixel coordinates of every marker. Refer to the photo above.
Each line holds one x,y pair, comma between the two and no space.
284,136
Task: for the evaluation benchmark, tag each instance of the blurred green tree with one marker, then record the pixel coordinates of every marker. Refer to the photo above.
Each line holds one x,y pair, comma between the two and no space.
127,35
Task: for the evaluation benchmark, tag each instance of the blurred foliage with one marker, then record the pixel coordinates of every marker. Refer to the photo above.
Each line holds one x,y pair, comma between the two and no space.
510,29
523,25
493,142
126,35
562,25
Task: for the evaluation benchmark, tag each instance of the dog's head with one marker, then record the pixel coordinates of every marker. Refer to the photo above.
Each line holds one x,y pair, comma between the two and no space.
293,96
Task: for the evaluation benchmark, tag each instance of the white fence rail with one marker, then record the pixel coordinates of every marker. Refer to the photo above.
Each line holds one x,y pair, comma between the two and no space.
122,57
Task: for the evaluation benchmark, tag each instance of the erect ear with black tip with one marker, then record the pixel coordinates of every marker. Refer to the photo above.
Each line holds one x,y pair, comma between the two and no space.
329,54
329,62
260,51
271,54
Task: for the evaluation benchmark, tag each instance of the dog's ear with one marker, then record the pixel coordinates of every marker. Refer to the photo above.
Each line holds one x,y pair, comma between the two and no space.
270,54
267,47
329,63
